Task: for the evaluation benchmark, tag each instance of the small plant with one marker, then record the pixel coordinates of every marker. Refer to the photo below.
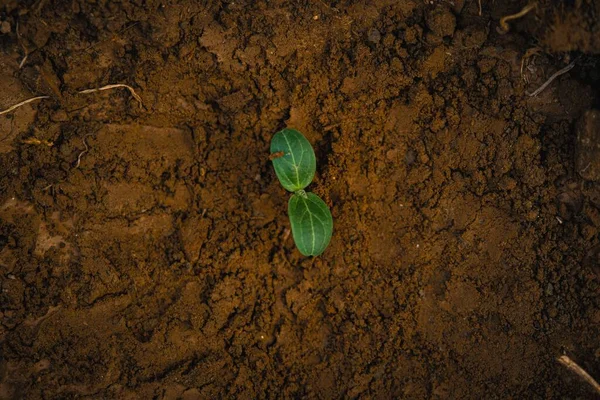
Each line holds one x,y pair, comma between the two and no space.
295,165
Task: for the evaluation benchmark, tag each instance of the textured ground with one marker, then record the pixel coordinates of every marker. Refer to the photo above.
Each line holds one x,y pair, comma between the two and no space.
145,251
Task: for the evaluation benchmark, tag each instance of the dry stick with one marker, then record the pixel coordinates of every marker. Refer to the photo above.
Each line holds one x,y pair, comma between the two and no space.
572,365
23,103
503,21
553,77
118,85
37,142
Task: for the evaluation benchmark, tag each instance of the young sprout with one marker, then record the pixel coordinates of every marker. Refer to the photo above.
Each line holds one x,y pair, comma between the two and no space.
295,164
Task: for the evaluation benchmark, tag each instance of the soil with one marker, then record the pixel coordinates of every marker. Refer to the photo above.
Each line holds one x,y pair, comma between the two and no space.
145,250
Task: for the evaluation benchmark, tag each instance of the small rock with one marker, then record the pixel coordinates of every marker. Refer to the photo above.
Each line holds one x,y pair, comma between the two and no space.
374,36
587,151
410,157
5,27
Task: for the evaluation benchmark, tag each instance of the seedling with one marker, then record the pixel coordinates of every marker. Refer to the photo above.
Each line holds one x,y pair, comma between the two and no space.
295,165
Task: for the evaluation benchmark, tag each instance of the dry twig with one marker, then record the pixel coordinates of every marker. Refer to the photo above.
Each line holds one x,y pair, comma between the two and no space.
22,104
503,21
118,85
552,78
573,366
37,142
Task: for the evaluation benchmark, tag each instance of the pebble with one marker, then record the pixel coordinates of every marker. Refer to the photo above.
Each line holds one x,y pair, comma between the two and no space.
374,36
410,157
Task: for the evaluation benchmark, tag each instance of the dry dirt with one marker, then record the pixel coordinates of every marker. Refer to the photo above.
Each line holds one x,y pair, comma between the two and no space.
145,250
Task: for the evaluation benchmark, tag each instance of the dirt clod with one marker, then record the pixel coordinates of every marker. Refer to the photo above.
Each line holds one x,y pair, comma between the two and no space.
5,27
441,21
587,161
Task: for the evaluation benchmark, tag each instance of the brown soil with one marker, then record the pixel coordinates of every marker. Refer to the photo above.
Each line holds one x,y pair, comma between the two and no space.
145,251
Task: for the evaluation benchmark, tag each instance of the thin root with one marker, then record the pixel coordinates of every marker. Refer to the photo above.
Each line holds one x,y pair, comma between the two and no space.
503,21
552,78
573,366
22,104
23,60
528,54
480,8
87,148
25,52
118,85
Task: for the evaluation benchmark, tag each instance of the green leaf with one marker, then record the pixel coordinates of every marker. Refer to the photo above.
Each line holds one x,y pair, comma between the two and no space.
295,165
312,224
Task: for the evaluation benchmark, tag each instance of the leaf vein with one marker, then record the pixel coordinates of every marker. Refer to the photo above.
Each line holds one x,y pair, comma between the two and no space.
295,166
